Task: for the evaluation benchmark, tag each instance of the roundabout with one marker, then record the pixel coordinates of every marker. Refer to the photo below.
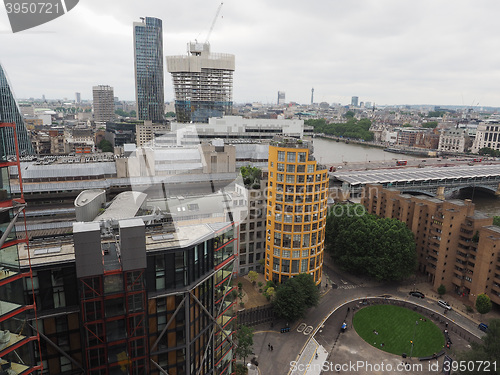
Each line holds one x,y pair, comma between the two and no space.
397,330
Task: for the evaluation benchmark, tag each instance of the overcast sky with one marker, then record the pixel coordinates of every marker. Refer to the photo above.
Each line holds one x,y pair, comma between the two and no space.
383,51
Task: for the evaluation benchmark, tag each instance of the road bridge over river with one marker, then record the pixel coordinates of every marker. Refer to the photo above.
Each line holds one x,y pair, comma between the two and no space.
437,182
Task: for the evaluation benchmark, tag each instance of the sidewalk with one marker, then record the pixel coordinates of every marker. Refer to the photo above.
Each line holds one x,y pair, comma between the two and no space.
311,359
458,303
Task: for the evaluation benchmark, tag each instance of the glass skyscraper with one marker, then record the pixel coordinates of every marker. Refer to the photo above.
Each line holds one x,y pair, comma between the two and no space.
148,62
9,112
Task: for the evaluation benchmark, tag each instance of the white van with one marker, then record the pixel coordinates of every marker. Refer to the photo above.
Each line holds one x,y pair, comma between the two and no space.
444,304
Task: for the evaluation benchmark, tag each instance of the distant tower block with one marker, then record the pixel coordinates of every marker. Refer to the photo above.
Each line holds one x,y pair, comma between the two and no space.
78,98
281,97
312,96
354,101
203,83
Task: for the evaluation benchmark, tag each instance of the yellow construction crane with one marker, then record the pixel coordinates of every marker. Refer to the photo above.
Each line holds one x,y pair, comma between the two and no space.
213,22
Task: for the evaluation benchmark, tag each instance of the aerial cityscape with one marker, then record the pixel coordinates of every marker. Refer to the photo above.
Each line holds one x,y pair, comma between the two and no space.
250,188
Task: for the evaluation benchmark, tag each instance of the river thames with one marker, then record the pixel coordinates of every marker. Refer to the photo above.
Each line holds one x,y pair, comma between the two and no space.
328,152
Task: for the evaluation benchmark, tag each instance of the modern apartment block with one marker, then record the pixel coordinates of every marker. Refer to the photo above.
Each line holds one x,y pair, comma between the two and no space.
127,294
148,64
456,246
19,339
252,229
9,113
103,103
296,211
203,83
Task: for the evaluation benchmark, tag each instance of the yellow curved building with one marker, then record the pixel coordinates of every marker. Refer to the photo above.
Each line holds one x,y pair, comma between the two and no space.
296,211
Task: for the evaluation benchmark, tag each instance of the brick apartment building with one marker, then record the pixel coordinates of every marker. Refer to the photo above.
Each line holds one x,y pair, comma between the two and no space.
456,246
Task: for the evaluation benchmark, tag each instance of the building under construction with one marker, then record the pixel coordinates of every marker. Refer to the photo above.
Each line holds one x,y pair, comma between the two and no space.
203,83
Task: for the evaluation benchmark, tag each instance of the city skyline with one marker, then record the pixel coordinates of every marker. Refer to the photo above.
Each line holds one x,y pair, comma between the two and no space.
395,53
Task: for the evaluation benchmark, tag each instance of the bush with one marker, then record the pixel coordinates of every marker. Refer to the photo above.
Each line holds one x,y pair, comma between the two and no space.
441,290
260,283
469,309
242,304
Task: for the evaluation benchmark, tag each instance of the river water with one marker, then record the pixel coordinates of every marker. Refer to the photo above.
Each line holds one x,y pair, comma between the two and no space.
328,151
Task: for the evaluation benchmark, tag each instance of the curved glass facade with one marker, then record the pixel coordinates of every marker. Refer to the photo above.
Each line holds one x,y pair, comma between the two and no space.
9,112
296,212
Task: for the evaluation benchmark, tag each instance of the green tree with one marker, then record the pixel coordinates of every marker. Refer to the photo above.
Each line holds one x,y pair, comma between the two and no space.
269,293
240,369
251,177
105,146
170,114
349,114
483,304
361,243
487,350
430,125
244,342
441,289
252,275
295,296
353,128
496,220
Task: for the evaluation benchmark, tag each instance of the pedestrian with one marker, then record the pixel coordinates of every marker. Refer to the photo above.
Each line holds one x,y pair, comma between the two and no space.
272,348
269,346
316,355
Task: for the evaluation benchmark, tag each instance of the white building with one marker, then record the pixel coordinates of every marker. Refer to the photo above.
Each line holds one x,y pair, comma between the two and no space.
453,140
487,135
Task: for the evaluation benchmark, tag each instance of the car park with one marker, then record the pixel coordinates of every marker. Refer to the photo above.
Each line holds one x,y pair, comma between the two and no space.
417,294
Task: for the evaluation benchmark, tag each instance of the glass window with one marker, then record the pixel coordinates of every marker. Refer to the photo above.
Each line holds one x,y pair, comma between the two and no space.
279,177
281,155
290,178
281,167
290,168
302,157
310,168
286,254
301,168
290,157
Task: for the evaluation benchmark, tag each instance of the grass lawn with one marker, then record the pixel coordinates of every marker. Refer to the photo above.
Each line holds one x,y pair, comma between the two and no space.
395,328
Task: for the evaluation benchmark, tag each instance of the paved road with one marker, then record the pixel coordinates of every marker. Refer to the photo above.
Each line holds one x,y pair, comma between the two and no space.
288,346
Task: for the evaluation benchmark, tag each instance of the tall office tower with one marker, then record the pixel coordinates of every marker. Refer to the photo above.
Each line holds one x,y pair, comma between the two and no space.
9,113
281,97
354,101
297,197
104,103
148,62
19,338
78,97
312,96
203,83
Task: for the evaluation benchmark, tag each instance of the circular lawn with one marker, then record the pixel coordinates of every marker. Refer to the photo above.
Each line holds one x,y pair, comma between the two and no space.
393,329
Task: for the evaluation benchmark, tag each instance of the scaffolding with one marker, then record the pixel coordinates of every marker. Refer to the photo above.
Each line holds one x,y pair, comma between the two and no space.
19,339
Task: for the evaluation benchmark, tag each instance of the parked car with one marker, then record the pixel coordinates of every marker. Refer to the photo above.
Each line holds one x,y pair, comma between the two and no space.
483,327
444,304
417,294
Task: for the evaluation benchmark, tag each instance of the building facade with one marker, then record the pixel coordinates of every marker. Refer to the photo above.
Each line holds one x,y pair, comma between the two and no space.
128,298
19,338
9,113
296,212
487,135
203,83
454,140
104,104
456,246
148,64
145,132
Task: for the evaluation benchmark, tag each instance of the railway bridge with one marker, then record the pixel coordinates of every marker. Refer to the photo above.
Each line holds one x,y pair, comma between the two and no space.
439,182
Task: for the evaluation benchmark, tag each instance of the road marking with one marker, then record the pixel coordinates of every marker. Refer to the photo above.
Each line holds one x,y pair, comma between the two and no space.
308,330
301,327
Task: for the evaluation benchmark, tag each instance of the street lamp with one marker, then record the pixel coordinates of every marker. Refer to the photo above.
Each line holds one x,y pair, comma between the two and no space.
413,340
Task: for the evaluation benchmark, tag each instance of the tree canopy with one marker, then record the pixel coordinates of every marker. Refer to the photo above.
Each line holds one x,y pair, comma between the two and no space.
353,128
487,350
483,304
430,124
244,342
488,151
362,243
251,177
105,146
295,296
